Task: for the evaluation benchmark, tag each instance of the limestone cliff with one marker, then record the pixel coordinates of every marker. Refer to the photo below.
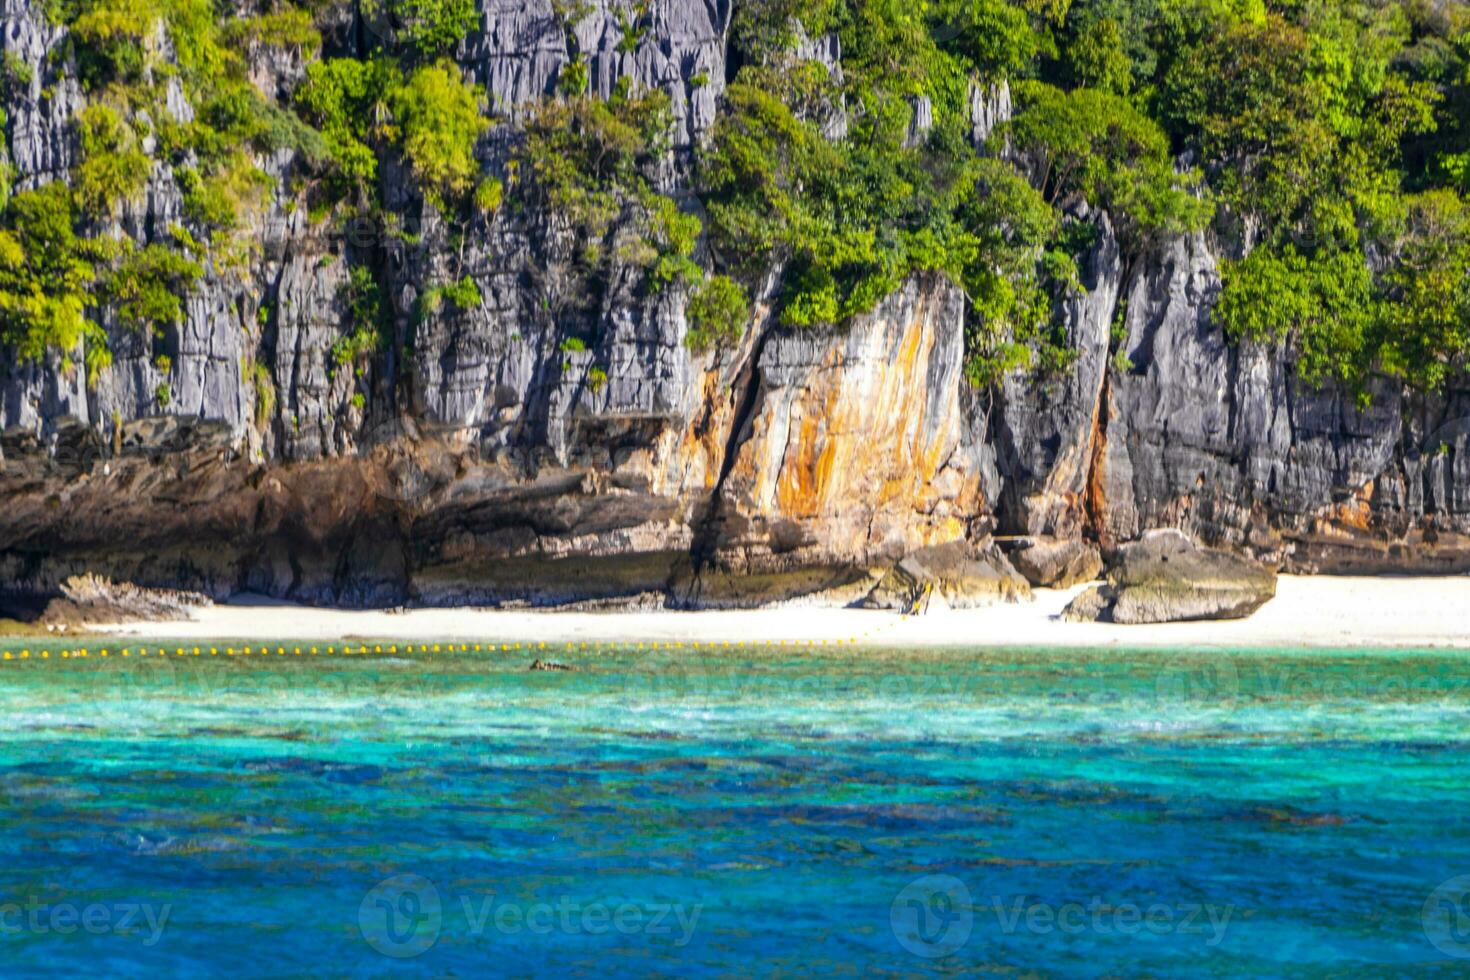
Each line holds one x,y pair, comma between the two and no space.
489,460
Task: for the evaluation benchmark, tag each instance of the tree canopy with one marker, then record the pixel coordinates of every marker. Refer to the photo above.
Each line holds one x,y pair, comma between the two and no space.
1324,140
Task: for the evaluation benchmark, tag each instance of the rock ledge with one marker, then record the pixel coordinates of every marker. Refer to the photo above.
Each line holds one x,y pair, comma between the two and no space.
1167,578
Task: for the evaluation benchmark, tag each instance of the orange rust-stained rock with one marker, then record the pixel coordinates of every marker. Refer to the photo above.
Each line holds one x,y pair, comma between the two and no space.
855,449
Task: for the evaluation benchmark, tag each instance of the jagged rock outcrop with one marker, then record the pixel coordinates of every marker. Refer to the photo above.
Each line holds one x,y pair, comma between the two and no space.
676,45
1166,578
851,455
1227,443
990,106
541,446
1046,428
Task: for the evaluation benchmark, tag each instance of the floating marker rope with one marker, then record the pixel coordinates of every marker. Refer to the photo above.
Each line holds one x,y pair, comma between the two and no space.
142,652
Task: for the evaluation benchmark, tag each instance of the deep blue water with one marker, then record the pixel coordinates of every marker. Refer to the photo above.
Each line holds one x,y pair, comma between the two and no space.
727,813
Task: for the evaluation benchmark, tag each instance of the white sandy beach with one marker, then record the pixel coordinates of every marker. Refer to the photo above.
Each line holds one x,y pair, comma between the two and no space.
1307,612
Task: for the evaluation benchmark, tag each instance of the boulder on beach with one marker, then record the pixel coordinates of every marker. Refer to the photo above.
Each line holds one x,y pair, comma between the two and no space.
957,574
1166,578
91,598
1057,564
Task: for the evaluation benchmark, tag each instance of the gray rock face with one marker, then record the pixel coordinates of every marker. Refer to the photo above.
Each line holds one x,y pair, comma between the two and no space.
1046,429
990,106
521,53
676,45
547,445
1227,443
39,114
827,52
1165,578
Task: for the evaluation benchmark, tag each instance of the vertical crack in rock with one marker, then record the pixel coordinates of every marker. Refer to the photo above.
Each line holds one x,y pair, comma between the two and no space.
707,522
482,457
1096,500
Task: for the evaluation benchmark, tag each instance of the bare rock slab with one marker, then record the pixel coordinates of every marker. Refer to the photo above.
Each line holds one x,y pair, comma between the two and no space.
1166,578
1050,563
961,576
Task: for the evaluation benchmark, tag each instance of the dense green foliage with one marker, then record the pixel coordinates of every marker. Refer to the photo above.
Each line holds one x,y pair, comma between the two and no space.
347,100
63,266
44,274
589,162
717,312
1325,141
850,217
1321,125
439,120
1320,132
434,27
66,266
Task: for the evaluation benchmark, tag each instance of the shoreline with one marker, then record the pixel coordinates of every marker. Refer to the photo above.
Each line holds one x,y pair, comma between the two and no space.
1308,612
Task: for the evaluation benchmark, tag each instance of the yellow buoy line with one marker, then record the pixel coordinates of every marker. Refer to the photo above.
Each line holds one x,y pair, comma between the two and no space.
152,652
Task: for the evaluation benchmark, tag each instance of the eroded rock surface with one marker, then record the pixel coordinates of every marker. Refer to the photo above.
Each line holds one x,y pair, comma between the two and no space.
851,453
1166,578
92,599
954,576
1057,563
484,456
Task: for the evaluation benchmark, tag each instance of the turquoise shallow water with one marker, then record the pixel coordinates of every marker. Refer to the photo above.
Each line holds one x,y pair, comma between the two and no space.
723,813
